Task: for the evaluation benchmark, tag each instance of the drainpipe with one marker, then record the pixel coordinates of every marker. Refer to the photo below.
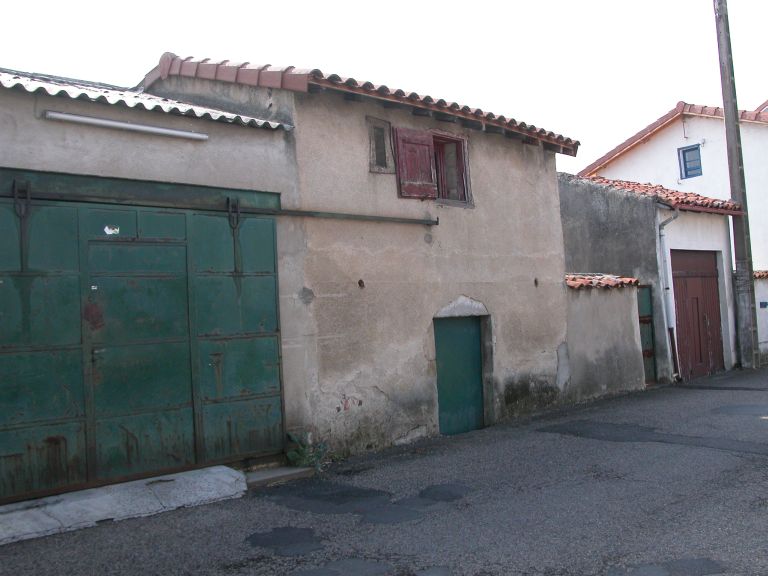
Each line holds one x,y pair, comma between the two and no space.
669,299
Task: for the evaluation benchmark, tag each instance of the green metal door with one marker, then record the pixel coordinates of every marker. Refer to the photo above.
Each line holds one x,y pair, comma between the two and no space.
133,340
459,374
136,335
645,309
236,335
42,397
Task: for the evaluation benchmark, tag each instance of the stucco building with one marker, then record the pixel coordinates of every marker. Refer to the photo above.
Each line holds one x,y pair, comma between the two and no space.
686,149
246,250
677,245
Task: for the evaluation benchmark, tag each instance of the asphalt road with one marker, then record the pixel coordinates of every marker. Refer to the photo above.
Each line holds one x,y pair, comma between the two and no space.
671,481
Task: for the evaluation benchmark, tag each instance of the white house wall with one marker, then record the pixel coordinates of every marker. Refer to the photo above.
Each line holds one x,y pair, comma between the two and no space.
655,160
761,295
698,231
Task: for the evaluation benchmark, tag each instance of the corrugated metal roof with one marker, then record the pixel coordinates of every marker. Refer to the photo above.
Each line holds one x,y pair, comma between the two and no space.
682,200
302,80
95,92
579,281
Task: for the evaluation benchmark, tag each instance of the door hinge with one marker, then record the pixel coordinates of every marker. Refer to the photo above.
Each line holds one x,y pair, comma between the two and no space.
22,198
233,211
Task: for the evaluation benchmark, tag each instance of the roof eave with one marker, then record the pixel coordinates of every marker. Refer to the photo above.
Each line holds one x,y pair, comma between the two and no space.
707,210
634,140
528,134
306,80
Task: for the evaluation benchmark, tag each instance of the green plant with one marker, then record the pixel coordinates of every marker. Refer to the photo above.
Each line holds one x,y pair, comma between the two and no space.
306,454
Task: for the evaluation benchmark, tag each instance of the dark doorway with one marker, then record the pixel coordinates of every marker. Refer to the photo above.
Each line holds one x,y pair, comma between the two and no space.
697,307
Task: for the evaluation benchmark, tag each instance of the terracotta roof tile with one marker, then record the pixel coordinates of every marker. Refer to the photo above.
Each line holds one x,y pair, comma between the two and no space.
761,274
674,198
579,281
95,92
290,78
681,109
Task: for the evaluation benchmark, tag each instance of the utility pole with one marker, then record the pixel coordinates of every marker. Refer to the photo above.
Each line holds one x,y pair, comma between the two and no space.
746,318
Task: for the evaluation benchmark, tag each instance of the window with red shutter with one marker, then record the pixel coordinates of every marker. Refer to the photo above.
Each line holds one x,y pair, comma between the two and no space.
431,165
415,150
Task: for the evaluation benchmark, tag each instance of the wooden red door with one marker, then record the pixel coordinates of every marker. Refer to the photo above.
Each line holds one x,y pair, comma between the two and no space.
697,307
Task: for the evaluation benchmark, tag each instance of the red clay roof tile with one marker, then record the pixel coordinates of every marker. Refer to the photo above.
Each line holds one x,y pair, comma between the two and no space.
761,274
300,80
590,280
676,199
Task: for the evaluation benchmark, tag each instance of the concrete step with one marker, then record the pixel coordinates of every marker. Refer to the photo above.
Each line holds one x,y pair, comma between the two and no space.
85,508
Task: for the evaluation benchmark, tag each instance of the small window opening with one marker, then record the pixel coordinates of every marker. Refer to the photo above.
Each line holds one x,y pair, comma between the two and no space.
690,161
381,160
380,146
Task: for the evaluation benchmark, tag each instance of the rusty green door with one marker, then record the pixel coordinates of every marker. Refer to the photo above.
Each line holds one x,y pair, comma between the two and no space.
133,341
234,293
645,310
459,359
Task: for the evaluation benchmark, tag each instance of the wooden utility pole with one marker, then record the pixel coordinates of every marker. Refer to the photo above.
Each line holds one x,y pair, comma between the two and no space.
746,318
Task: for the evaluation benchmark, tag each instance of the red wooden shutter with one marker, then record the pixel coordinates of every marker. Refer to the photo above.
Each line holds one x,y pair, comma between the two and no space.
416,174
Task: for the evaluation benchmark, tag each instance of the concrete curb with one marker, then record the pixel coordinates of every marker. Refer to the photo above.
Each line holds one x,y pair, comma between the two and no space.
279,475
86,508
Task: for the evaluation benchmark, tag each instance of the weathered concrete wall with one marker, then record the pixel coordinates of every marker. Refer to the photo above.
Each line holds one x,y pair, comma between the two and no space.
264,103
604,349
358,342
614,232
699,231
233,156
357,299
607,230
761,295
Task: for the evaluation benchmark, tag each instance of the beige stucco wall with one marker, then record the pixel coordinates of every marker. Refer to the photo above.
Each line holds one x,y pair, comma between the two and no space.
359,362
232,157
604,348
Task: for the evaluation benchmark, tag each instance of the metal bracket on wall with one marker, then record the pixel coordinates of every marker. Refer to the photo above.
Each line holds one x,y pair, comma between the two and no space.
22,198
233,212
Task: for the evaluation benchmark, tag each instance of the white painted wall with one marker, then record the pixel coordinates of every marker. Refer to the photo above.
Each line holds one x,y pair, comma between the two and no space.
656,161
761,295
699,231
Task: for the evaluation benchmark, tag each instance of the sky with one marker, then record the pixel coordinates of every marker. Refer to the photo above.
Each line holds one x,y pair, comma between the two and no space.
593,70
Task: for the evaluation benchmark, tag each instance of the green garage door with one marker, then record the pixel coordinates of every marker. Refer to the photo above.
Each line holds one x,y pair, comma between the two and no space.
133,340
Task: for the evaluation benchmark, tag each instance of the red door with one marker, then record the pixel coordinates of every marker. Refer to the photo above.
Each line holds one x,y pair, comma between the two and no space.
697,307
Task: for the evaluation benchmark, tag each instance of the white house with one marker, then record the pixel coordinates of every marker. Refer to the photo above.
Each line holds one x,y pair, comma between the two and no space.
686,149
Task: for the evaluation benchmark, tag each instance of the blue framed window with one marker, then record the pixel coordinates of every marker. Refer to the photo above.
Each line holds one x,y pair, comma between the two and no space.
690,161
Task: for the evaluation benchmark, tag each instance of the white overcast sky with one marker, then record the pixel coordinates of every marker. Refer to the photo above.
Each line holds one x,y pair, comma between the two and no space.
594,70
